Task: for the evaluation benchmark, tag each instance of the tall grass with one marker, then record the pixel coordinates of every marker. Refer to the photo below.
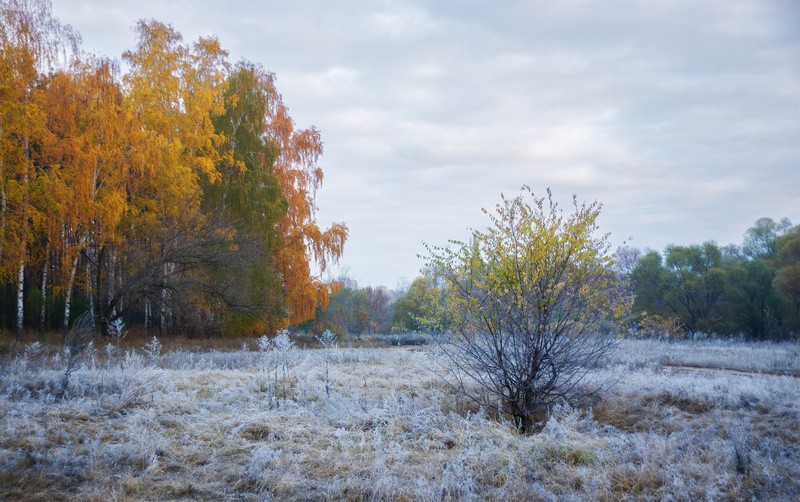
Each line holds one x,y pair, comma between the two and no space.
378,425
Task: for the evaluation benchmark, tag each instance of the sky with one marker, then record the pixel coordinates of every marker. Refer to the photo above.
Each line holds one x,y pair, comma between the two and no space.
682,118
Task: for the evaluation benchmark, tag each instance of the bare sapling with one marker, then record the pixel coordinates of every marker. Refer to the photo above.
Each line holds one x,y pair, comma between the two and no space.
328,340
78,339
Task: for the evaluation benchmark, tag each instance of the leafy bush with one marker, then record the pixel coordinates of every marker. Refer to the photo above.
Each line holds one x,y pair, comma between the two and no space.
533,303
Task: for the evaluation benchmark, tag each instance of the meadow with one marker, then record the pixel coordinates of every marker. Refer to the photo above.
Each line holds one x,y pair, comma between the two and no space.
270,421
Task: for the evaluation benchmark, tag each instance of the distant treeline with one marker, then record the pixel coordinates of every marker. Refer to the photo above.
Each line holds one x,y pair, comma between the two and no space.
752,290
354,310
176,196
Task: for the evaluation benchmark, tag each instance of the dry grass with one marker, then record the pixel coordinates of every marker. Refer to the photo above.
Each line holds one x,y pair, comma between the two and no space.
248,425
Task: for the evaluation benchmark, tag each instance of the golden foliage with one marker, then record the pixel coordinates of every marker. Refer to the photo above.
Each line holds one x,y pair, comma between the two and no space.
89,160
303,242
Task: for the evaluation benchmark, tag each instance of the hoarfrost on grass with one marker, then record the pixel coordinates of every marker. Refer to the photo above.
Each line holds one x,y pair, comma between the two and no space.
379,425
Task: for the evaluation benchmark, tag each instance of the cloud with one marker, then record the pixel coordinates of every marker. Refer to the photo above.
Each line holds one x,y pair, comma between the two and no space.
681,117
402,23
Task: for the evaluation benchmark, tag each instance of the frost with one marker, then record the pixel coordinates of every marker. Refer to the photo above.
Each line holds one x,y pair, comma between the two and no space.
153,349
262,425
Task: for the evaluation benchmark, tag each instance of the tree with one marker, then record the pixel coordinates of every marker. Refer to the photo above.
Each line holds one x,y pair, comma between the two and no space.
418,308
100,163
173,92
380,297
625,259
694,285
728,290
756,307
787,276
249,195
353,310
649,281
181,191
759,240
350,311
302,241
533,302
32,41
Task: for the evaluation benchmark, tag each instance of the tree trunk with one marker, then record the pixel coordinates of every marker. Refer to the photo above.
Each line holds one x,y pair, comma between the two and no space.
68,294
43,310
522,417
147,315
20,297
111,259
2,223
163,314
23,236
90,292
97,298
2,202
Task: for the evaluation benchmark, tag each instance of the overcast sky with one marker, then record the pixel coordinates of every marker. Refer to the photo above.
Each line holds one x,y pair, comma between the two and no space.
681,117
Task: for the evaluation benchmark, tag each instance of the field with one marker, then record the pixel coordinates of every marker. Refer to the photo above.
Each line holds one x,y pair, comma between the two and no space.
276,422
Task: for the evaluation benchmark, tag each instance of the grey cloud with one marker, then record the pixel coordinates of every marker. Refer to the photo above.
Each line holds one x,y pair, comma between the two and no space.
681,117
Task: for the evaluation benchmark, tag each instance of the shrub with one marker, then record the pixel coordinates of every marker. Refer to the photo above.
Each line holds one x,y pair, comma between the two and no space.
533,303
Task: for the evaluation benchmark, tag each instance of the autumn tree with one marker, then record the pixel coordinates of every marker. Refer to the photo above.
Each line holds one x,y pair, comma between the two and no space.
180,192
533,302
419,308
172,93
105,171
380,299
32,41
249,197
302,242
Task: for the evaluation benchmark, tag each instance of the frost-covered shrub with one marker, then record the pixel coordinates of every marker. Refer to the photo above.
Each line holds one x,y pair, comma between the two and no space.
153,349
265,344
21,362
117,331
277,356
283,344
132,382
31,350
328,340
78,340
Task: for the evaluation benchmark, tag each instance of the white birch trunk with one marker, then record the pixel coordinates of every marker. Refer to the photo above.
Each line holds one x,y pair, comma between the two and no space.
43,311
68,296
22,248
20,296
163,310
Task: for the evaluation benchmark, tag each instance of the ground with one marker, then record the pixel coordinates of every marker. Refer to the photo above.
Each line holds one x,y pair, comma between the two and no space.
259,425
